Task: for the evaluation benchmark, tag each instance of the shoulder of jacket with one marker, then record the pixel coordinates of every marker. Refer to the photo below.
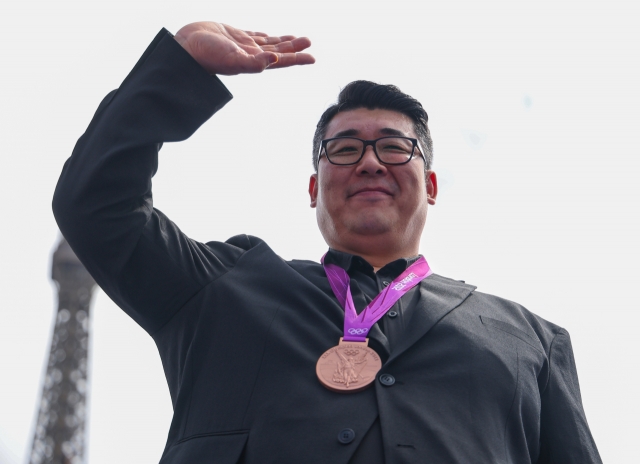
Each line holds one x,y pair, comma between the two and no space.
510,312
245,242
450,281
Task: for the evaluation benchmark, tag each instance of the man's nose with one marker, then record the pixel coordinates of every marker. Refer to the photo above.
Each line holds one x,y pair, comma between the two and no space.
370,164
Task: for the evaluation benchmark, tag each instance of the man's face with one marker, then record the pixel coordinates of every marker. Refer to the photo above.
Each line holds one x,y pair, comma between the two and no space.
370,201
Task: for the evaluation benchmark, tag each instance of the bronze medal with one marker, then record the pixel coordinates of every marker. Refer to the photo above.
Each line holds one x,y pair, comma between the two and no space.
348,367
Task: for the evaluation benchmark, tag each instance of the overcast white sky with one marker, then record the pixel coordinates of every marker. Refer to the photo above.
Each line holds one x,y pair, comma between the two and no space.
533,109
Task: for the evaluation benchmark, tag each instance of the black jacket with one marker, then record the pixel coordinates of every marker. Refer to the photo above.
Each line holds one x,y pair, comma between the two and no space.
478,379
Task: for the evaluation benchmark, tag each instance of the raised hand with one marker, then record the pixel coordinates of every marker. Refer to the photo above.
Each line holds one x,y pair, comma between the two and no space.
222,49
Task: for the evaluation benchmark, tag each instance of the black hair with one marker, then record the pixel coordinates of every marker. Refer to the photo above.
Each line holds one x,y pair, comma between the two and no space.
366,94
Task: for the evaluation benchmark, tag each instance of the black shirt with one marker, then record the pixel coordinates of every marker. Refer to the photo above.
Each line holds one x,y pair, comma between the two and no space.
365,285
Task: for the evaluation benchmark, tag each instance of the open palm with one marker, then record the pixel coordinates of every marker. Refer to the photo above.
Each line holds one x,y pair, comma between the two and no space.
223,49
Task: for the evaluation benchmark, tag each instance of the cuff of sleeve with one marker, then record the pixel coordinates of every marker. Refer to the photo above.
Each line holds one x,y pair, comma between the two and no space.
168,61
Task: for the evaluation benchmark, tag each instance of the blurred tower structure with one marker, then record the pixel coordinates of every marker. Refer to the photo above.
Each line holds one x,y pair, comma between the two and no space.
59,436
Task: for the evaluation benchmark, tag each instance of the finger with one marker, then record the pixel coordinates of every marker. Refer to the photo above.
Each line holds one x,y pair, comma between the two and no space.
256,34
291,46
286,60
272,40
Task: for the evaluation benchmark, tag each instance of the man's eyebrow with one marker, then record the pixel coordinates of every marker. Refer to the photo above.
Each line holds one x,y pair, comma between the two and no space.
389,131
347,133
384,130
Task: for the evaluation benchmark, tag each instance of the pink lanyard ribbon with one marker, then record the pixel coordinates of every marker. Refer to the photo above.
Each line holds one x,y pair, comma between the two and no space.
357,326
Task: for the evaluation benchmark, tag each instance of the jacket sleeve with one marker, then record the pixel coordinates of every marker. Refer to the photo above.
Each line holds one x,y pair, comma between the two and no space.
565,434
103,202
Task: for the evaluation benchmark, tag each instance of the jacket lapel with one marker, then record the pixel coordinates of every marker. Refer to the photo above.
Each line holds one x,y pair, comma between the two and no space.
438,296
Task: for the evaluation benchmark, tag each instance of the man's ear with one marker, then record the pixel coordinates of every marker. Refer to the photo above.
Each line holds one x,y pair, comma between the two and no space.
432,187
313,189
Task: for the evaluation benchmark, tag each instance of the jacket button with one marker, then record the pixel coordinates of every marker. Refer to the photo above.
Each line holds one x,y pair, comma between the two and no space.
385,283
393,314
387,380
346,436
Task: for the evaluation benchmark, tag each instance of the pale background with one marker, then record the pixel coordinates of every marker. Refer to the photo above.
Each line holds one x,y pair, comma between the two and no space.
533,108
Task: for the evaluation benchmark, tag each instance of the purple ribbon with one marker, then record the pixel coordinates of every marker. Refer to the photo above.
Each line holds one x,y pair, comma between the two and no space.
357,326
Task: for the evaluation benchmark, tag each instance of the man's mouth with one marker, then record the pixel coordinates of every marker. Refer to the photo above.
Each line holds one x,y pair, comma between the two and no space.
371,191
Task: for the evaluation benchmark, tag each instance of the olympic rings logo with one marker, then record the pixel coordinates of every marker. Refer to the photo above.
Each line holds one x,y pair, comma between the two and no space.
353,331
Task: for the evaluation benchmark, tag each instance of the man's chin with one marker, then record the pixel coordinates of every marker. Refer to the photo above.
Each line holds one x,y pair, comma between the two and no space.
371,226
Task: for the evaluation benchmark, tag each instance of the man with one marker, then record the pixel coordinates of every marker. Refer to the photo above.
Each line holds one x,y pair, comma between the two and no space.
439,373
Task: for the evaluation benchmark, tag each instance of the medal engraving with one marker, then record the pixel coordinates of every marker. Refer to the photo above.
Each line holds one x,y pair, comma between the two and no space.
348,367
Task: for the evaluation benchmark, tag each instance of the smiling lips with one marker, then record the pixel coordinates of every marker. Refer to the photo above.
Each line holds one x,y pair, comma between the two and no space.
371,191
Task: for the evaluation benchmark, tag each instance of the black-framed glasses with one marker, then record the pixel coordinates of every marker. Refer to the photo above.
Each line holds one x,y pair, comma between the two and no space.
392,150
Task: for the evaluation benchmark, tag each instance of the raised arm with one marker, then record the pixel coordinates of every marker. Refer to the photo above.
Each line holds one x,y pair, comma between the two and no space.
103,201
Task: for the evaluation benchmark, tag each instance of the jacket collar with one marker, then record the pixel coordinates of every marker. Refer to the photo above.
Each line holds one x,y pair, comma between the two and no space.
438,296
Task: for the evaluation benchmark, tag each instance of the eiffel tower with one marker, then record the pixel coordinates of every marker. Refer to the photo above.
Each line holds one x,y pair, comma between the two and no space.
59,436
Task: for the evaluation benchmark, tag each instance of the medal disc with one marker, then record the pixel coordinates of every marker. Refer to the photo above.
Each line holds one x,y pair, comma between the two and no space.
348,367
